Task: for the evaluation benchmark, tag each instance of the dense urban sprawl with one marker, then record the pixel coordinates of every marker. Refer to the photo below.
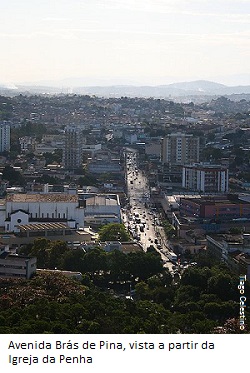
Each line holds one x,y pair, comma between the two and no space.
124,215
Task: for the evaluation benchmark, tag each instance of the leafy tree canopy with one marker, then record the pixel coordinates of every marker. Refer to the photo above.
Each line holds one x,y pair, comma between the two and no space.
113,232
14,177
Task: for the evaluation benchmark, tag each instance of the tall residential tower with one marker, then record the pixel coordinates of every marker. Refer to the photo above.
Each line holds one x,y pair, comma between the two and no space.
179,149
4,137
72,152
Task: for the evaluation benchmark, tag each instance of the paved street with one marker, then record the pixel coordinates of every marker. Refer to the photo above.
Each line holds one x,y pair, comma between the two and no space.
140,218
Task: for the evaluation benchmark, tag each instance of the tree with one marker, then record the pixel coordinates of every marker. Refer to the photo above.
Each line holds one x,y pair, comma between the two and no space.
113,232
211,153
231,326
40,251
142,290
73,260
56,156
151,249
95,260
197,277
56,251
49,254
117,265
221,285
49,179
144,265
168,228
87,179
6,108
221,311
186,294
14,177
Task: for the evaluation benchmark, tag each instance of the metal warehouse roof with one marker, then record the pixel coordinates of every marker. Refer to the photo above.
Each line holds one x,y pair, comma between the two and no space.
43,226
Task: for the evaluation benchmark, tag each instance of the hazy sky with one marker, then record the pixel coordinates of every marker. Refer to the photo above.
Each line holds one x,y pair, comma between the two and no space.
140,41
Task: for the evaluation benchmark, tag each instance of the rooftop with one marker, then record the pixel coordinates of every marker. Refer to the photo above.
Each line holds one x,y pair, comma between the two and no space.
42,197
206,166
244,257
43,226
213,200
131,247
227,237
100,200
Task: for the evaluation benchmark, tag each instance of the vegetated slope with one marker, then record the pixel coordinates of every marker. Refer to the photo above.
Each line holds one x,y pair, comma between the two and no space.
52,303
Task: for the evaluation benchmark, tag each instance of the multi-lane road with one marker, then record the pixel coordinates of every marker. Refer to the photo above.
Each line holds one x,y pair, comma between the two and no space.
139,216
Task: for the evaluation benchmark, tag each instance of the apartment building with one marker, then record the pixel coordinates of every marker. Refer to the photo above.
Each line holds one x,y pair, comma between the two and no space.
72,152
4,137
205,178
179,149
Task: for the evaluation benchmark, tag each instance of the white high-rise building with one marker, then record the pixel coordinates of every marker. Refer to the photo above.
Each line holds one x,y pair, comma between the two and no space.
4,137
206,178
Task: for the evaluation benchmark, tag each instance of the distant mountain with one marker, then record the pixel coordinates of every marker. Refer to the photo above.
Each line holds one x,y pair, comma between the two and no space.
195,88
198,85
183,89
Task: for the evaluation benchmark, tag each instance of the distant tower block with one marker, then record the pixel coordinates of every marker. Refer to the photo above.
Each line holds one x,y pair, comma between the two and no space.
72,153
4,137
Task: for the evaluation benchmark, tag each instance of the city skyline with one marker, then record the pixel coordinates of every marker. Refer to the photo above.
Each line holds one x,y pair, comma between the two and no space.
125,42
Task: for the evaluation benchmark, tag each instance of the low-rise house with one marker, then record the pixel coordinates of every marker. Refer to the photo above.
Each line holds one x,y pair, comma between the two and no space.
234,250
101,209
124,247
16,266
103,162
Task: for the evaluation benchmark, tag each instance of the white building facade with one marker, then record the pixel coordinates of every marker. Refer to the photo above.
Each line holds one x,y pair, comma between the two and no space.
102,209
23,209
16,266
205,178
